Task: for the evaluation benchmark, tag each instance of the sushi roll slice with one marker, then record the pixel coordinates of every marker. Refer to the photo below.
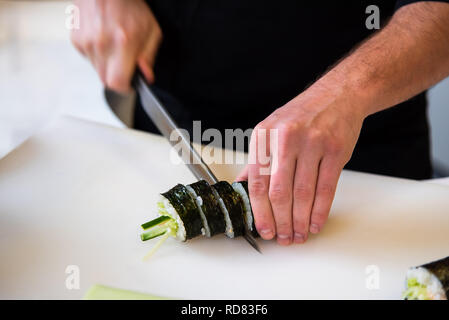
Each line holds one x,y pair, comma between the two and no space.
211,213
428,282
232,208
241,187
179,216
199,203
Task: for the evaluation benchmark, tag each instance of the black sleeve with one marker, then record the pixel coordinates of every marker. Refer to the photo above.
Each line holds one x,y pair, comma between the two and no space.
401,3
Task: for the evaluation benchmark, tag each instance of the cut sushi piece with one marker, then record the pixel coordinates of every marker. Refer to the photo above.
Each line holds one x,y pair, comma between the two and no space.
212,215
428,282
185,221
241,187
232,208
199,203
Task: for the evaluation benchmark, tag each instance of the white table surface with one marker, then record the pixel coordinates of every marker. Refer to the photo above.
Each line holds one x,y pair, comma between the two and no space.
76,193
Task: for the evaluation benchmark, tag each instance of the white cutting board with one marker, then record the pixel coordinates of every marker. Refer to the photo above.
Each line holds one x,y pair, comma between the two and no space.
76,193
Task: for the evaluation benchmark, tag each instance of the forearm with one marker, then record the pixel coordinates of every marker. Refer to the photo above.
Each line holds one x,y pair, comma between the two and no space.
405,58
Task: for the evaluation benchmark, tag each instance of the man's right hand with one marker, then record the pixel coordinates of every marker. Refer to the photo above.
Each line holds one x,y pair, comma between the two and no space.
117,36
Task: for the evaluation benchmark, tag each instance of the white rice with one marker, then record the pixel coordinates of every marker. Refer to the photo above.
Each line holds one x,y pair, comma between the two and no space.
199,202
229,228
426,278
170,210
238,187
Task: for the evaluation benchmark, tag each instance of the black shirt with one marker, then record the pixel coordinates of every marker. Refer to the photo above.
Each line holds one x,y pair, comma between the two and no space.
231,63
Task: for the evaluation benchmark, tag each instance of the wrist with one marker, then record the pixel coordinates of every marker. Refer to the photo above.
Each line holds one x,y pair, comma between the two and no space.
332,91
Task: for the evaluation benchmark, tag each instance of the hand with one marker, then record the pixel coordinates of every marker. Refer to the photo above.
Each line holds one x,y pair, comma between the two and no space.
316,135
117,36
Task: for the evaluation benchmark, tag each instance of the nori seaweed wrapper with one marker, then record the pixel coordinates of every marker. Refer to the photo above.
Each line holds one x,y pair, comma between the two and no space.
234,205
186,209
211,208
254,232
440,269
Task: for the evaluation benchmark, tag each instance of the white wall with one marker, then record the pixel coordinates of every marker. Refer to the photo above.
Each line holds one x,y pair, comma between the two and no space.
41,75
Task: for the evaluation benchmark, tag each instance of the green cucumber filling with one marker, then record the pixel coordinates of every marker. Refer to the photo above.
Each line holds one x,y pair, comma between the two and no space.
416,290
160,226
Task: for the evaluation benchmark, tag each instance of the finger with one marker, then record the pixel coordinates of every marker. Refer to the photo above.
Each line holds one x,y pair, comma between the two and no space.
98,64
88,50
120,67
147,58
75,39
304,193
243,175
258,185
91,52
329,173
99,61
280,195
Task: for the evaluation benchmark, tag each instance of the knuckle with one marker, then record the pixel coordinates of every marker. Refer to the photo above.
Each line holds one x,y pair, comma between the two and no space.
87,42
258,188
283,226
326,189
302,191
334,146
100,39
123,36
288,127
278,194
261,126
314,136
287,130
100,45
286,134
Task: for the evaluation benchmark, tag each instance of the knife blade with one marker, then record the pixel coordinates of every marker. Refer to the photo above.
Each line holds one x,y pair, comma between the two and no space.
167,126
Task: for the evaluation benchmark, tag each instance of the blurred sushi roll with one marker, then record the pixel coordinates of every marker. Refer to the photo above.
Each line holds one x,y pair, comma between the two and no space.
428,282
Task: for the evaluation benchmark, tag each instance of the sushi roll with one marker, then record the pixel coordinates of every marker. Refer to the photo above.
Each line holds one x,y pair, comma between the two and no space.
232,208
428,282
186,212
241,187
179,216
210,211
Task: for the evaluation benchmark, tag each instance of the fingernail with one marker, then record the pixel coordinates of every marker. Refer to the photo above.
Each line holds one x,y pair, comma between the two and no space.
314,228
299,238
266,233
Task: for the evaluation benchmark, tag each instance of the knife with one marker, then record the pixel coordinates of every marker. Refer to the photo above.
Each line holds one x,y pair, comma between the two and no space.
166,125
